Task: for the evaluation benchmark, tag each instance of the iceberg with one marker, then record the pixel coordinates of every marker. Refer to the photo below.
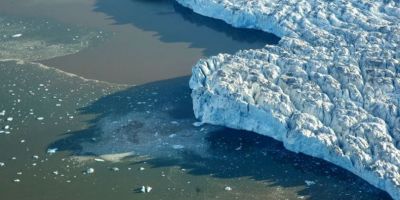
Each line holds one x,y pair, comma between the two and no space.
329,89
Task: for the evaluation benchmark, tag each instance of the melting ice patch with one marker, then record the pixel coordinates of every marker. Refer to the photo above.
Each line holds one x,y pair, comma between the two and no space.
40,39
329,89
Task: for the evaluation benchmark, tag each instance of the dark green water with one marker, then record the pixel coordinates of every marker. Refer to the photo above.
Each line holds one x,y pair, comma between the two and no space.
133,136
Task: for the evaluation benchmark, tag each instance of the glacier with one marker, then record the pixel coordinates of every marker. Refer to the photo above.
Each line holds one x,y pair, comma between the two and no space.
329,89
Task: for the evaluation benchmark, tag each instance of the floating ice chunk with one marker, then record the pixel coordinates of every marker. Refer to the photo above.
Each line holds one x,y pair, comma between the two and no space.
115,169
99,160
146,189
40,118
35,157
17,180
89,171
172,135
10,119
197,124
309,183
2,164
178,146
141,168
2,113
175,122
55,173
227,188
16,35
52,151
6,127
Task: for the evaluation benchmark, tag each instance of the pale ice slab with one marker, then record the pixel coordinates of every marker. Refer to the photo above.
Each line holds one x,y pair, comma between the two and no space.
330,89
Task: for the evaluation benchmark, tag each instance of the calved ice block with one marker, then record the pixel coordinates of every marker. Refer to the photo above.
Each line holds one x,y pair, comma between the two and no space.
329,89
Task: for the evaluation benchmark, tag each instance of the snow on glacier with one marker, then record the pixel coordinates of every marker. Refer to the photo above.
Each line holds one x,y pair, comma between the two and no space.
329,89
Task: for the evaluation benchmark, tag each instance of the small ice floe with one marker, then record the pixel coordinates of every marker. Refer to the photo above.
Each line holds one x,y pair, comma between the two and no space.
16,35
17,180
197,124
178,146
99,160
2,164
6,127
19,173
10,119
40,118
89,171
175,122
227,188
14,158
115,169
309,183
55,173
141,168
146,189
52,151
22,141
2,113
172,135
35,157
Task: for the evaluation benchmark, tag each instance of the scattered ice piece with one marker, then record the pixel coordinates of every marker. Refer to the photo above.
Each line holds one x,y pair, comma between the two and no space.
6,127
35,156
178,146
16,35
141,168
197,124
115,169
227,188
99,160
22,141
14,158
19,173
2,113
40,118
52,151
174,122
172,135
55,172
90,171
146,189
2,164
9,119
309,183
17,180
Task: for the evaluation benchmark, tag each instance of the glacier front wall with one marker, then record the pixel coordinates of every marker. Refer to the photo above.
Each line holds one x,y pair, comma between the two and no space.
329,89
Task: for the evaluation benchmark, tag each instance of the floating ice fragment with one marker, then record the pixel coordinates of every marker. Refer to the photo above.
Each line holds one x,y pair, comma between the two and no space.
2,164
197,124
90,171
115,169
35,157
141,168
17,180
40,118
227,188
19,173
52,151
309,183
16,35
9,119
6,127
178,146
174,122
172,135
99,160
145,189
2,113
55,172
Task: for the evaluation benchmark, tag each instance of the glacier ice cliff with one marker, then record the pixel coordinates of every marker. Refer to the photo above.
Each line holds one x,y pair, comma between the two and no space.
329,89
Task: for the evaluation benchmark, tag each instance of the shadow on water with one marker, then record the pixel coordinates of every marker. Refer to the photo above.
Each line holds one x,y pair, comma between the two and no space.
151,117
174,23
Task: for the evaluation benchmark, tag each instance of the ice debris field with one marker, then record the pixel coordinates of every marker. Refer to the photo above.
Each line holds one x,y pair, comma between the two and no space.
329,89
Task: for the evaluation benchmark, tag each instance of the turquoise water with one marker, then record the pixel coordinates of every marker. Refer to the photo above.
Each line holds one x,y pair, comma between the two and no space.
133,136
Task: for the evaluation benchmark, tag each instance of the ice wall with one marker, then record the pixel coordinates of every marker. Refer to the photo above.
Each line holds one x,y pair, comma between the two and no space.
330,89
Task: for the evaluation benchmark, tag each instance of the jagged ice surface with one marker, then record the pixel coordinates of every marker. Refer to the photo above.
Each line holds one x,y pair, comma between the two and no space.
330,89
